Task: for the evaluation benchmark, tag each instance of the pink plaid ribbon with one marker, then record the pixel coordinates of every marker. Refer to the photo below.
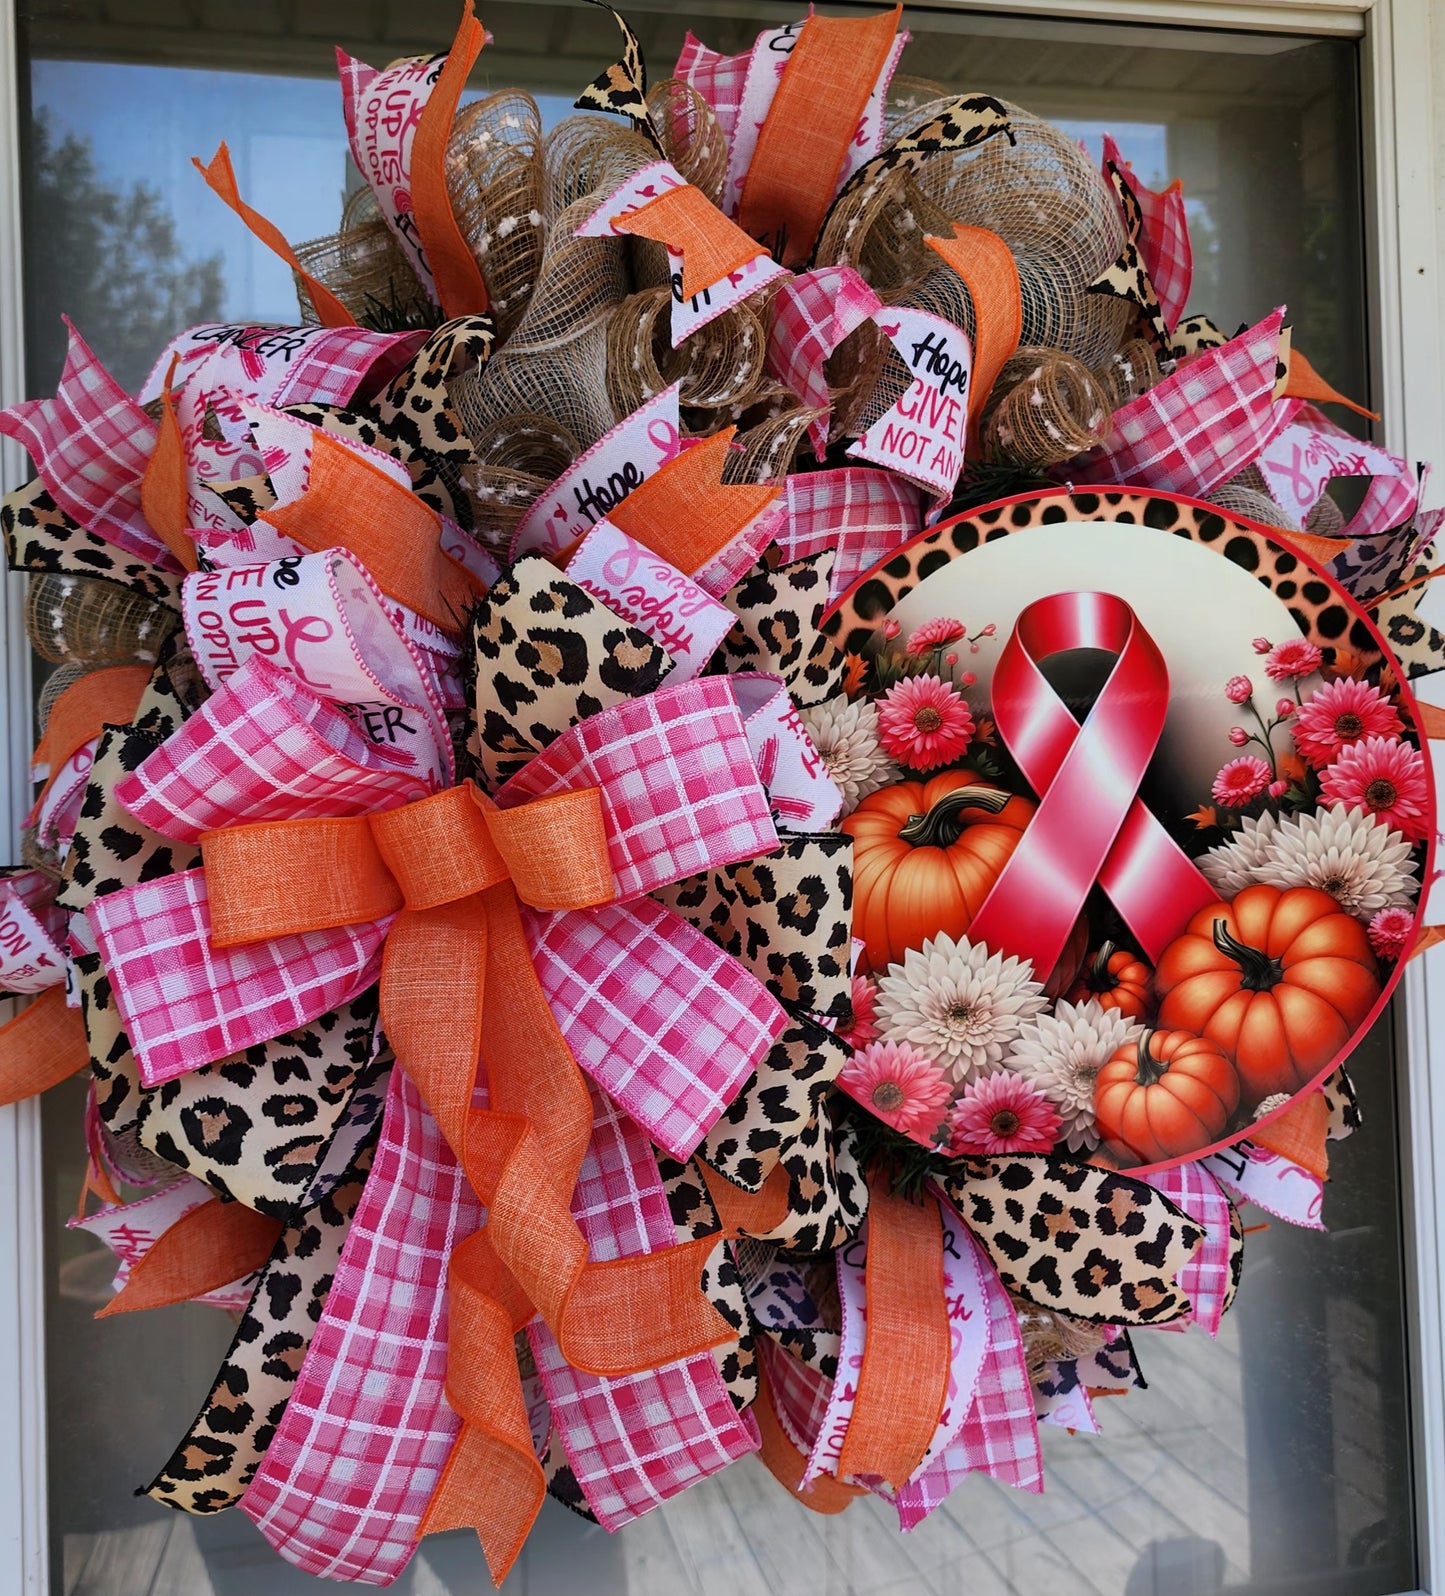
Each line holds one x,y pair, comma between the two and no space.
813,313
636,1441
283,365
861,513
1205,1278
263,747
800,1393
1000,1435
1199,426
358,1452
663,1020
718,78
1164,242
91,444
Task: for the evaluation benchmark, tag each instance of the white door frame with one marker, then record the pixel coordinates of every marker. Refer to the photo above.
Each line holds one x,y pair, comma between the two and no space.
1403,158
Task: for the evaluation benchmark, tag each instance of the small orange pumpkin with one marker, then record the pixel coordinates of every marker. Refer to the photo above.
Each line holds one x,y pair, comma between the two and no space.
1281,979
925,855
1115,979
1166,1095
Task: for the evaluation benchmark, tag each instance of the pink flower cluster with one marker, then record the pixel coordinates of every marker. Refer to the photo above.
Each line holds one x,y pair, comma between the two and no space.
924,722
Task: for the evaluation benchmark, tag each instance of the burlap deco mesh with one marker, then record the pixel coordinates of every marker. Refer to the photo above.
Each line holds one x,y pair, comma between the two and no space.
367,269
495,182
1326,519
1050,1337
691,137
555,362
82,620
1128,372
61,678
587,158
517,458
1248,495
1045,408
767,451
722,367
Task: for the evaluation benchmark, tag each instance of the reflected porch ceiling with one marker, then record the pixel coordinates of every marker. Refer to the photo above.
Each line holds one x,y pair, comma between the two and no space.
1056,68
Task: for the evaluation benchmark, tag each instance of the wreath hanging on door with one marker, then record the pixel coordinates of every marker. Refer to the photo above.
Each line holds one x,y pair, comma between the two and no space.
768,627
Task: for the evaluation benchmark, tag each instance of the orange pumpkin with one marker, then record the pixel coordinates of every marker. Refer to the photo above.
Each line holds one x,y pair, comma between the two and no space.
1281,979
925,855
1115,979
1169,1094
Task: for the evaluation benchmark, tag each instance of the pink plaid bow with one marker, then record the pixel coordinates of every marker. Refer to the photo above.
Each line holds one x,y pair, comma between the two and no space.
861,513
1164,242
262,747
91,444
812,314
635,1441
361,1445
1205,1278
1207,420
718,78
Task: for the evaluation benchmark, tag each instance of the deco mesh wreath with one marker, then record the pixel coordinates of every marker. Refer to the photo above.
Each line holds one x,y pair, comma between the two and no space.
863,718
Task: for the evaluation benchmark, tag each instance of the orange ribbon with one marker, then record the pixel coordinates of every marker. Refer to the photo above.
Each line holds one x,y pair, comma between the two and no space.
204,1250
1300,1134
351,501
221,179
458,981
711,245
809,128
163,488
787,1464
987,268
1304,382
98,699
43,1045
685,512
908,1350
460,286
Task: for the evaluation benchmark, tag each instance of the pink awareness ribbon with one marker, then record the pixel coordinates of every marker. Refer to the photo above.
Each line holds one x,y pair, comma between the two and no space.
1091,825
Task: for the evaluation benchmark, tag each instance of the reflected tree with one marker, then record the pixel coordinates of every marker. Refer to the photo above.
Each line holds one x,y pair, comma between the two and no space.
107,257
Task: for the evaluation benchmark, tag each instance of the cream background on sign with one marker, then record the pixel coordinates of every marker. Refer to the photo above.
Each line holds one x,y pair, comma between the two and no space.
1201,609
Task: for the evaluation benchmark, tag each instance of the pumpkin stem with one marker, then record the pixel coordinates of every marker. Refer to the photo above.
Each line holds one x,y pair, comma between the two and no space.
1099,978
1258,972
943,825
1151,1070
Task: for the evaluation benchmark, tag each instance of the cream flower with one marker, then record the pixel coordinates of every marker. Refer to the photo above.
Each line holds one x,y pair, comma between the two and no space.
959,1004
1352,855
1235,864
1062,1053
1270,1104
845,733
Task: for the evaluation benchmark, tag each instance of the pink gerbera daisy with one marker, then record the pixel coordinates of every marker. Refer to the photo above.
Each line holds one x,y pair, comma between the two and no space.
902,1086
1291,659
1002,1113
1341,713
1390,932
924,722
1385,778
936,634
1240,780
864,1026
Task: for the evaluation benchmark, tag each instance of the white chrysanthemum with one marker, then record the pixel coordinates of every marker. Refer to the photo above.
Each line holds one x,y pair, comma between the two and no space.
1062,1053
1235,865
1268,1106
845,733
960,1004
1354,856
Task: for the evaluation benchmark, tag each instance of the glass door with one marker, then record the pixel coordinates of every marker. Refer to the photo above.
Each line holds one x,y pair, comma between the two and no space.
1274,1459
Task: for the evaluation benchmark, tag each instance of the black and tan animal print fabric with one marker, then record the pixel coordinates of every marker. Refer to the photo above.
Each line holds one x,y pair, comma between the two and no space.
1343,1106
778,610
764,1122
221,1451
1083,1241
1128,277
40,536
622,88
546,656
787,916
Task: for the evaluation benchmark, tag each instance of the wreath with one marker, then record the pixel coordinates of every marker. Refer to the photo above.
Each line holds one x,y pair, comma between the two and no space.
726,807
